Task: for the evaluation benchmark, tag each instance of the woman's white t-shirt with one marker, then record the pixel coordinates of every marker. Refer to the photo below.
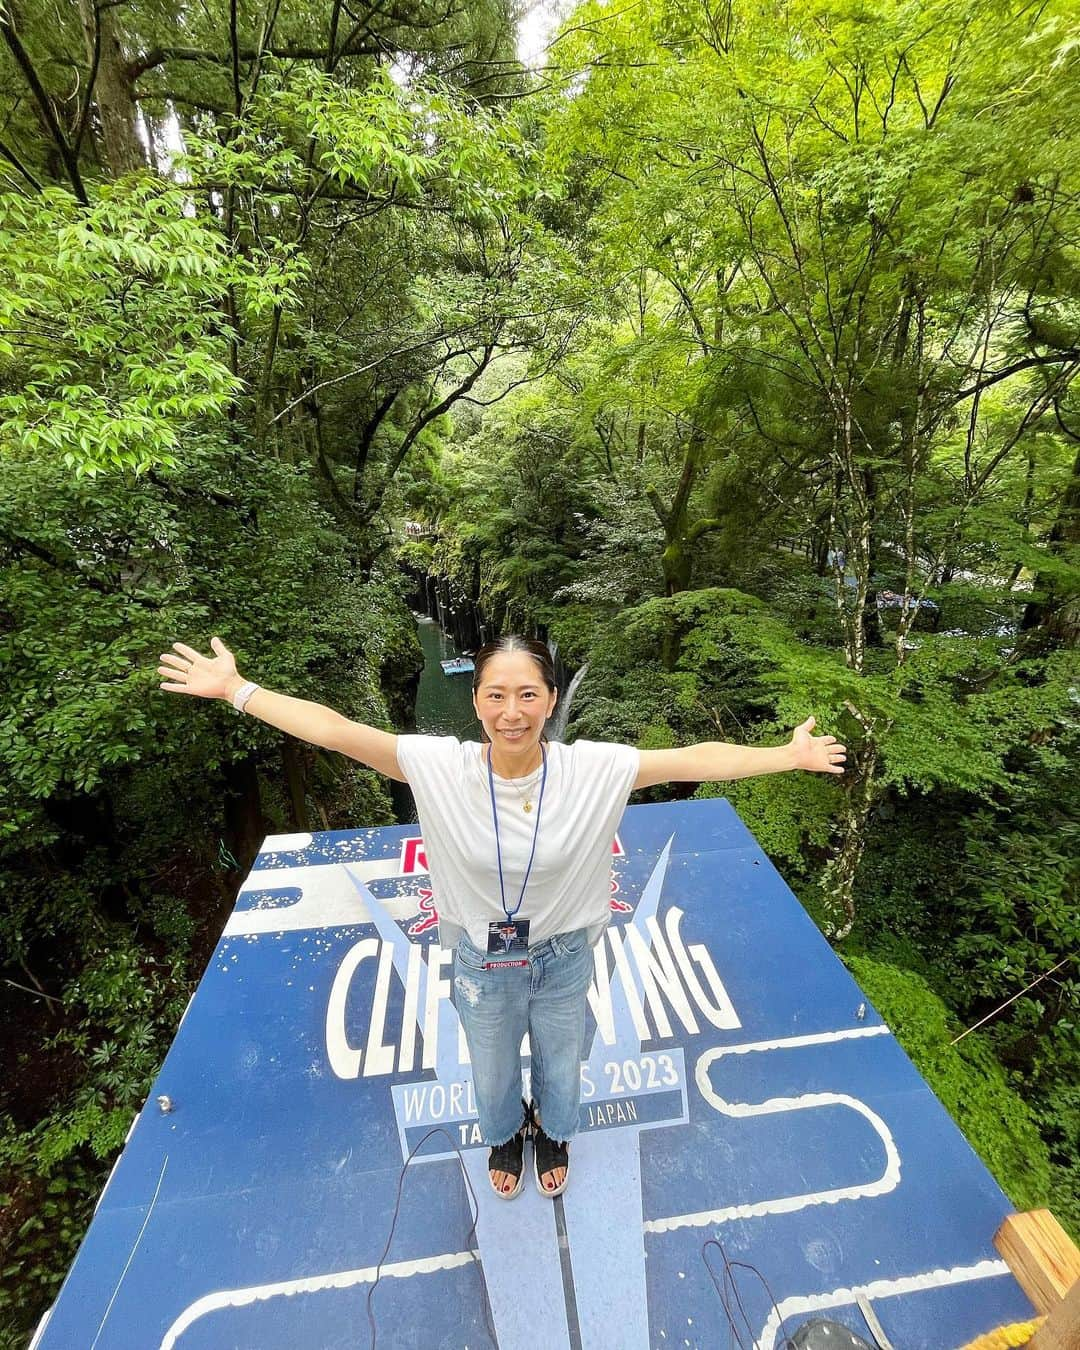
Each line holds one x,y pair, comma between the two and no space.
587,785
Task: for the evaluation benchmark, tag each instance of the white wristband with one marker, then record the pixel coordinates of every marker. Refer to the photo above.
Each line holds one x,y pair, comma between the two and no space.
240,698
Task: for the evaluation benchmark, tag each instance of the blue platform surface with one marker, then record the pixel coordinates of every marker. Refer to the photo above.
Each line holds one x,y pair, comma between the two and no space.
740,1097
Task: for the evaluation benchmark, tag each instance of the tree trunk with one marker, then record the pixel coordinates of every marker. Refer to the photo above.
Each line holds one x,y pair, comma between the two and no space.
838,877
364,444
296,777
264,393
678,567
112,89
871,618
1059,615
244,823
679,536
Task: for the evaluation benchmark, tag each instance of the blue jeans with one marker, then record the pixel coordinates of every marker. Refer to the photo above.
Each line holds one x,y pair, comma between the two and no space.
496,1008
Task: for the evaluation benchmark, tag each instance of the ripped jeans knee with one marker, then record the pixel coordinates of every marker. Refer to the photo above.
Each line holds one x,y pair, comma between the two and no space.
467,989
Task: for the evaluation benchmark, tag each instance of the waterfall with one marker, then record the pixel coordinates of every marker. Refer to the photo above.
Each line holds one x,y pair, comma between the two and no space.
556,727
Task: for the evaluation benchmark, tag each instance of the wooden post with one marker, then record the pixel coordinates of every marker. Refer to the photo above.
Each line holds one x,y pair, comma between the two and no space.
1061,1330
1042,1256
1046,1263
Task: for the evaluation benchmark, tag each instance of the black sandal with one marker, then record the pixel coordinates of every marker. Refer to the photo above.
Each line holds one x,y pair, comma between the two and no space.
548,1154
510,1158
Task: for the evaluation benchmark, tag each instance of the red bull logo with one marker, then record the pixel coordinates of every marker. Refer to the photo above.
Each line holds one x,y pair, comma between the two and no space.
429,915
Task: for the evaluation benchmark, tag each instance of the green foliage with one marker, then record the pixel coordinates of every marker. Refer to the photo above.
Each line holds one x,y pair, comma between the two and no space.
1058,1114
52,1217
966,1078
706,310
987,895
111,570
399,139
688,660
415,555
514,526
110,327
792,817
574,627
111,892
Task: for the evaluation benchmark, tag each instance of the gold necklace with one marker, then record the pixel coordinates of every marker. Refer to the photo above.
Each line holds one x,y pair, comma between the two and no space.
526,797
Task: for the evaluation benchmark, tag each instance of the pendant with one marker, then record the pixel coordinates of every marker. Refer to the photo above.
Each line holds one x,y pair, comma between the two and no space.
527,806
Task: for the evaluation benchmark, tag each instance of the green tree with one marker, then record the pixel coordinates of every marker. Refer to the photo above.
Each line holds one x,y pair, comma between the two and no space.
826,199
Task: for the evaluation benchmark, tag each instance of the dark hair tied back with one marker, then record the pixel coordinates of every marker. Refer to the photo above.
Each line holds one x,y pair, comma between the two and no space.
513,643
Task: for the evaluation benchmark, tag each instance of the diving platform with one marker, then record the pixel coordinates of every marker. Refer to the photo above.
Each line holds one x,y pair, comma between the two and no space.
749,1126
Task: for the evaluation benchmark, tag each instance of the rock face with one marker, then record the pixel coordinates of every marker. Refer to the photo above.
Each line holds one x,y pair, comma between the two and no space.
459,614
399,671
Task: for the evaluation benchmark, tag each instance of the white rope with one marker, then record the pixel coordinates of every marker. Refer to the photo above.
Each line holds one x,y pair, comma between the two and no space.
1011,1000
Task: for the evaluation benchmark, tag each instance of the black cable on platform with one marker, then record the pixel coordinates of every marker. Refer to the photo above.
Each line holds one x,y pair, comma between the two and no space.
470,1237
736,1335
729,1267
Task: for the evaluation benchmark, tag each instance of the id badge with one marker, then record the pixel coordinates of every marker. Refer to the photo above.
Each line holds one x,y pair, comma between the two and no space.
508,943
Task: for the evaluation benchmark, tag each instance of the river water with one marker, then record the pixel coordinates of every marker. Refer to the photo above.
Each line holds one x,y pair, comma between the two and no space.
443,702
443,705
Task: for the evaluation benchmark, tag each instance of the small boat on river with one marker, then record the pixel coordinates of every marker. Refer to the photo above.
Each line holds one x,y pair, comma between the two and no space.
458,665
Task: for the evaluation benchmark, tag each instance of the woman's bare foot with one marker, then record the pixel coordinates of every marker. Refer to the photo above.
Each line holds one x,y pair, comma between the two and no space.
503,1182
506,1165
554,1179
552,1156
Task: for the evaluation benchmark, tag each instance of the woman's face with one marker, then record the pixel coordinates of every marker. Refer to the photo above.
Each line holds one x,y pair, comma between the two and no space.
513,703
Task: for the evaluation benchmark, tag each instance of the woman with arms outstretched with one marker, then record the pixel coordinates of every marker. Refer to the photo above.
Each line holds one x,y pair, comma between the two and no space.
517,832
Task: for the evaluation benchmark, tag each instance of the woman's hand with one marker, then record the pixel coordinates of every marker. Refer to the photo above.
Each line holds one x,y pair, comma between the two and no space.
215,676
187,672
819,754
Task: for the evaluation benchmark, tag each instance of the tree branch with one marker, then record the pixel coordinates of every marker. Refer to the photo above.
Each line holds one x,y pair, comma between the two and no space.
654,500
361,370
363,450
701,527
1026,364
91,80
418,426
158,56
19,52
10,155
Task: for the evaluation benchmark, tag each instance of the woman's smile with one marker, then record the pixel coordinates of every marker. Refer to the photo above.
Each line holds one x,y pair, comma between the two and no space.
511,686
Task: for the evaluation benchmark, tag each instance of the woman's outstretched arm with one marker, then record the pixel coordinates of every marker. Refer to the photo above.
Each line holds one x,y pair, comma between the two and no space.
188,672
714,761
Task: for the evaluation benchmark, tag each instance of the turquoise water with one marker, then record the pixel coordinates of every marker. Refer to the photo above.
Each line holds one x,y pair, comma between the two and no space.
443,702
443,705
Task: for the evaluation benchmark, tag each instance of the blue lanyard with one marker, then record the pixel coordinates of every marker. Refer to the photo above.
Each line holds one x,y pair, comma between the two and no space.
536,830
